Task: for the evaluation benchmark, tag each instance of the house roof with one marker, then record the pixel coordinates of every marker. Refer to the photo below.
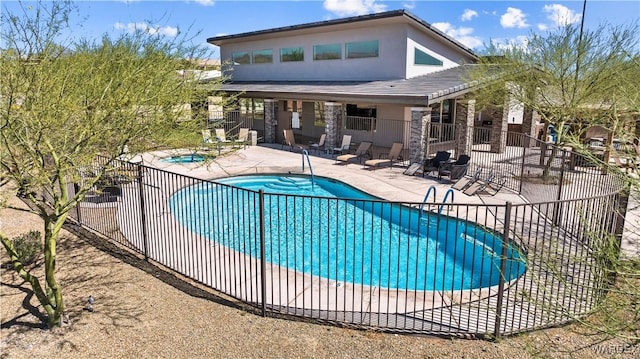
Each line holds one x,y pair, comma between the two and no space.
221,40
418,91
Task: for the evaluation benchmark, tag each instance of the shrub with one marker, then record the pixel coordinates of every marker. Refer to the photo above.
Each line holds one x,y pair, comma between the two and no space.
28,246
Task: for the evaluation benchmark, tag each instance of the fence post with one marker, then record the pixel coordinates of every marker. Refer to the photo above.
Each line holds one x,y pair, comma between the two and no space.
263,261
503,268
76,188
557,207
143,217
524,158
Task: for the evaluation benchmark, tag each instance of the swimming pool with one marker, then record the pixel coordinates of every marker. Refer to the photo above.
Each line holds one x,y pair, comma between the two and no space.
332,230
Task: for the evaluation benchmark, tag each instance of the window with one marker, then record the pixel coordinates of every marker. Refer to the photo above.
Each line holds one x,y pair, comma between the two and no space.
327,52
362,49
360,117
263,56
422,58
241,57
289,54
441,112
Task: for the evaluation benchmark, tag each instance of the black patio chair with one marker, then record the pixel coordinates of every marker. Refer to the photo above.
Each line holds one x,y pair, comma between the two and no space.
433,164
455,170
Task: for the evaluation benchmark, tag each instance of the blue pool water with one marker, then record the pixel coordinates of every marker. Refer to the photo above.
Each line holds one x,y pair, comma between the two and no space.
194,158
335,231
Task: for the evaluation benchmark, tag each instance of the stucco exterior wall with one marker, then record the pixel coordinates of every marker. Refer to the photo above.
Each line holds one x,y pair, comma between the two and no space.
434,46
389,64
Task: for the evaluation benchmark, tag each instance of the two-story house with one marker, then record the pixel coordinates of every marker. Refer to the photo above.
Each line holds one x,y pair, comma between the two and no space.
385,77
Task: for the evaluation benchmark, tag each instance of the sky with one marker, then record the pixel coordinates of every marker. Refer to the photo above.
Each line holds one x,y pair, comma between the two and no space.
473,23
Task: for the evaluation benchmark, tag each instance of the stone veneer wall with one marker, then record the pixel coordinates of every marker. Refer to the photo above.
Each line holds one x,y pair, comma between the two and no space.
498,138
464,122
333,123
420,119
270,120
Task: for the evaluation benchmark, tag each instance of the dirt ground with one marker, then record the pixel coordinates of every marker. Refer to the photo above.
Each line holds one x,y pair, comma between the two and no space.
145,312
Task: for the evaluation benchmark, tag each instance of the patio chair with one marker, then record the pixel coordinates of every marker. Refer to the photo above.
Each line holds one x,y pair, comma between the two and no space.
392,156
490,186
243,136
345,146
361,151
290,140
412,169
221,135
455,170
206,137
466,181
320,144
433,164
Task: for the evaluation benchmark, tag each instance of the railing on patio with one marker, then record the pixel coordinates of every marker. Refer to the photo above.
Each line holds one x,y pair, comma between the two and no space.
253,246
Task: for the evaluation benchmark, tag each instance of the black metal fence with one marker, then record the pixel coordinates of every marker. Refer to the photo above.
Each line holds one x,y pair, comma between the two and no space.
456,269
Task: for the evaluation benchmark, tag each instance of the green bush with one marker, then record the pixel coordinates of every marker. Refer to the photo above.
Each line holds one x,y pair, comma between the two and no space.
28,246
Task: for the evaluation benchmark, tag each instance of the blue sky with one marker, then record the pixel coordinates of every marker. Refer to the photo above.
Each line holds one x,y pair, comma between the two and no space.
473,23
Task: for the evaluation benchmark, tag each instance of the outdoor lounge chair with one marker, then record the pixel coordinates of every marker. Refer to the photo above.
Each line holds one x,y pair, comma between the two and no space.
466,181
243,137
290,140
361,151
490,186
392,156
206,137
345,146
221,136
455,170
320,144
433,164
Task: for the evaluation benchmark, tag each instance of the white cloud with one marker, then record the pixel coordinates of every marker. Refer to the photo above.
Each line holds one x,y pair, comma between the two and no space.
461,34
353,7
468,15
409,5
505,44
513,18
205,2
169,31
543,27
561,15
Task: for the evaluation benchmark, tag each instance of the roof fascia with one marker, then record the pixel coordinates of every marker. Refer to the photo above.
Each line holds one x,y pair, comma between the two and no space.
220,40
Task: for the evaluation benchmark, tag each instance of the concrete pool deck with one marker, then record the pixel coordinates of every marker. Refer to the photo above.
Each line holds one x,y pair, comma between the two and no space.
387,182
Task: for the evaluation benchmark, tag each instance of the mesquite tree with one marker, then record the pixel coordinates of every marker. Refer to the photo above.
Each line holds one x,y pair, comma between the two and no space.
64,103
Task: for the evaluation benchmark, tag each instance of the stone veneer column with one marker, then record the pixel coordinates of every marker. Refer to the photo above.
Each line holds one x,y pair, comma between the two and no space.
333,123
529,127
420,119
498,138
464,121
270,120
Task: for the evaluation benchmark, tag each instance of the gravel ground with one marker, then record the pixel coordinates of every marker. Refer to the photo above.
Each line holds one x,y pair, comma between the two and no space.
144,312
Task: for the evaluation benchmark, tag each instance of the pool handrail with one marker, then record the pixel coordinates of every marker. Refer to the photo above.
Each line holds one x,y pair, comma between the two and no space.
444,200
306,153
426,197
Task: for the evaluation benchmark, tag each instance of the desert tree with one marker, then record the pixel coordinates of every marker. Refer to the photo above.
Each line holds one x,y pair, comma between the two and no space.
66,102
575,80
571,78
